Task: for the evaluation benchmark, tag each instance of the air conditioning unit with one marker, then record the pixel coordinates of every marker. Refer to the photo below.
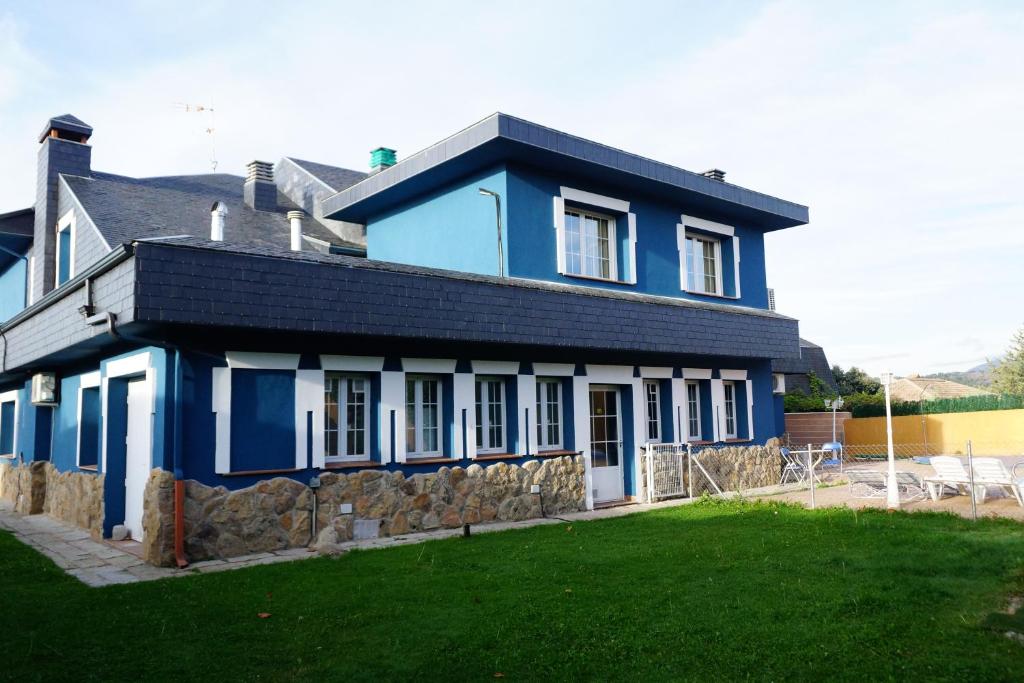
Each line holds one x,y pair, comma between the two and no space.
771,299
44,389
778,383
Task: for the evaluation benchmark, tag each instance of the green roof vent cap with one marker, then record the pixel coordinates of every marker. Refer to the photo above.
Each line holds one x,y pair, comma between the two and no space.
382,158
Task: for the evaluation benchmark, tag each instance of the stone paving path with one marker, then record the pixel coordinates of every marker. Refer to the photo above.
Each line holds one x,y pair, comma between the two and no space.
97,563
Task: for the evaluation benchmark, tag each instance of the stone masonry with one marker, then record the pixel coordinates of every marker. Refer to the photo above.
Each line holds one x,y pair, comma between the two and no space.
75,497
276,513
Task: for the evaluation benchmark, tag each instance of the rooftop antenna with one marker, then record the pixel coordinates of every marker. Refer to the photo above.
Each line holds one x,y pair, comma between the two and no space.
210,129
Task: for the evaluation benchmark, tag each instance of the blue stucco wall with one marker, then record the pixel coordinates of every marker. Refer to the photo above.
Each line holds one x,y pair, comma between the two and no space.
12,289
533,253
452,229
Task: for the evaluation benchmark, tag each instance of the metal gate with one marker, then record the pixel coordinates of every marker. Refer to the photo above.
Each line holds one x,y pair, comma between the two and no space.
665,473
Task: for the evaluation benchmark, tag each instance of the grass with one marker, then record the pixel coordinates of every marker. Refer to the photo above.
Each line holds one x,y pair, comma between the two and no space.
719,591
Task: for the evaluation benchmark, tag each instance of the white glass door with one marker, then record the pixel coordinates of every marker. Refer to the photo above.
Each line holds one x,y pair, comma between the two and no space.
605,443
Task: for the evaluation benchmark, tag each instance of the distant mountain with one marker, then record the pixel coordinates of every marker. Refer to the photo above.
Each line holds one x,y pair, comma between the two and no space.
979,376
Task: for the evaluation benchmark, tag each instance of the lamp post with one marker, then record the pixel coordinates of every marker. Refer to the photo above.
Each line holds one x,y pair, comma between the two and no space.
893,501
497,210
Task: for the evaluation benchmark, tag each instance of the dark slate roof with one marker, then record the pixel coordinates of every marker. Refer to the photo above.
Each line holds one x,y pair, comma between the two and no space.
126,209
201,283
67,122
334,177
502,138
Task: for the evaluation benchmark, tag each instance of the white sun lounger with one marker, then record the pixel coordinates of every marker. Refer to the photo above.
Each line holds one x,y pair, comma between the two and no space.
992,472
949,472
866,483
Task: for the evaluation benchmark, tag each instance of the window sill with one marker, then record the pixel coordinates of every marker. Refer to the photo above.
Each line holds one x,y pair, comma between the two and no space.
498,456
738,440
89,468
352,464
430,461
251,473
594,278
555,454
7,456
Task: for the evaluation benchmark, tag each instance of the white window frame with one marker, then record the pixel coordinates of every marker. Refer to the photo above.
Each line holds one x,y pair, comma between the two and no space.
650,384
729,401
66,222
482,406
8,397
416,449
576,199
699,228
543,423
699,276
344,379
613,255
693,411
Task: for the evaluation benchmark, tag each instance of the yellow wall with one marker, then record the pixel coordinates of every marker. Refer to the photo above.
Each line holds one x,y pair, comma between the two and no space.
992,432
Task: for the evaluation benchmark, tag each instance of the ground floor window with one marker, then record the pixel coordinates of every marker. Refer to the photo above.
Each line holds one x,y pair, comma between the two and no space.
490,415
423,415
7,417
89,428
549,414
730,410
693,410
652,395
346,417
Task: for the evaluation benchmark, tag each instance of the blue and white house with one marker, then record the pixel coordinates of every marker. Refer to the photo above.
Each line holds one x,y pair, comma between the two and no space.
511,294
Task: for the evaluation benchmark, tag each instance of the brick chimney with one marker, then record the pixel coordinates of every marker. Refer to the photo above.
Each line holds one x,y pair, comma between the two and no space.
63,148
259,191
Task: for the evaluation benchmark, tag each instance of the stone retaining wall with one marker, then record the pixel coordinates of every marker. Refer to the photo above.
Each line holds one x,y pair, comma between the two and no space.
74,497
276,513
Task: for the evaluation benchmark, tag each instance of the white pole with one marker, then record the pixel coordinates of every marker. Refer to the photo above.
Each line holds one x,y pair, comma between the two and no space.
970,470
689,470
810,473
893,502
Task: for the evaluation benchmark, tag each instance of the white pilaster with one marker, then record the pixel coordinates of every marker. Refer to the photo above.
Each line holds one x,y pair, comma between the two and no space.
750,409
717,408
526,392
309,398
463,384
581,424
392,399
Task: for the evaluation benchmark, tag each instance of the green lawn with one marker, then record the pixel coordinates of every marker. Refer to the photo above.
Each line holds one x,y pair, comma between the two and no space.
710,591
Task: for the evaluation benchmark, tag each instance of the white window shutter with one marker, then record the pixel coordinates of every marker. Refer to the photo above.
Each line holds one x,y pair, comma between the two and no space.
631,255
559,220
750,409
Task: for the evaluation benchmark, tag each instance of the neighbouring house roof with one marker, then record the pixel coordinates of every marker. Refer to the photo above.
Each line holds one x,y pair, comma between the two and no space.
812,359
335,177
124,209
16,234
916,388
501,138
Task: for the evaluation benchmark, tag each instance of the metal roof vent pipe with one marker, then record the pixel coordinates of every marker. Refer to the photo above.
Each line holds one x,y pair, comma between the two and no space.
259,190
382,158
715,174
295,220
218,213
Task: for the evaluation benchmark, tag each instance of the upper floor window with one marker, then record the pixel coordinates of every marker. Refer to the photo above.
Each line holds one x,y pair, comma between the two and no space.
423,415
589,244
653,396
346,417
703,265
490,415
549,414
65,249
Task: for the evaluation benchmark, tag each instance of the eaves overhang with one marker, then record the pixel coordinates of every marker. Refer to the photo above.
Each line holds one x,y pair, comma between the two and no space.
501,138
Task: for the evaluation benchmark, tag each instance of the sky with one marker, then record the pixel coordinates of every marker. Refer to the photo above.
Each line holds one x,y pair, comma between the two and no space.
900,124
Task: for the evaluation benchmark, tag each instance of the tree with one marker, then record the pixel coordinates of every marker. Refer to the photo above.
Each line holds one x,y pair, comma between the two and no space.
855,381
1008,376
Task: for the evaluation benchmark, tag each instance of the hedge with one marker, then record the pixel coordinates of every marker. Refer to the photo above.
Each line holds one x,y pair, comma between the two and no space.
873,405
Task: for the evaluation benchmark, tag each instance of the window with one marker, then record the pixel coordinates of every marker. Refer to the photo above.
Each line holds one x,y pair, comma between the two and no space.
490,415
549,414
346,418
65,255
653,395
8,414
589,244
693,410
703,265
730,410
89,428
423,416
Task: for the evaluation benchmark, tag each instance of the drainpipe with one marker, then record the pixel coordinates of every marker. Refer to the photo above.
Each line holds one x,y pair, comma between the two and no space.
497,210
